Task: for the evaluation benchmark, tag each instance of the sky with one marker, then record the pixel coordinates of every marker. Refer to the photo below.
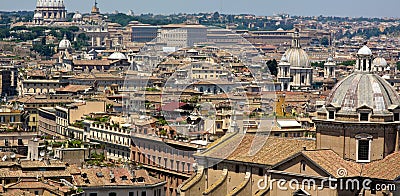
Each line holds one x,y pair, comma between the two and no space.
353,8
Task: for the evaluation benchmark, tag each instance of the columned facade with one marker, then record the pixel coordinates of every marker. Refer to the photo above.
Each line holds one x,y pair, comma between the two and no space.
51,10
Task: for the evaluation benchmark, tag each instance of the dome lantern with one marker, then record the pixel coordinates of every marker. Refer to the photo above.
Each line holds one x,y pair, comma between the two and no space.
364,60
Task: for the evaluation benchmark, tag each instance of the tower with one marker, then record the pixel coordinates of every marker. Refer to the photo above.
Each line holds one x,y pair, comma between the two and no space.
330,68
284,73
95,9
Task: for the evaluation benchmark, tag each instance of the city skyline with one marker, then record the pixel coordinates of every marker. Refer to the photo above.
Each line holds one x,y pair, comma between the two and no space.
257,7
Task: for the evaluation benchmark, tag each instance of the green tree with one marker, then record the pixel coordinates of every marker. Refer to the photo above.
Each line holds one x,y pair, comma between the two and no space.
273,67
324,41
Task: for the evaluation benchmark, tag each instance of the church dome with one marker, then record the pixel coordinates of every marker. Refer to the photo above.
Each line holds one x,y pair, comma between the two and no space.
297,57
77,16
64,44
379,62
363,90
117,56
364,51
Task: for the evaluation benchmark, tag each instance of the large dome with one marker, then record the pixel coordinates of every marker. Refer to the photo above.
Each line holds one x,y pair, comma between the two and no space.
358,90
117,56
297,57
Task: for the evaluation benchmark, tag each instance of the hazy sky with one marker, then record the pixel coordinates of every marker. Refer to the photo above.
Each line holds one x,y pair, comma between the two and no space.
368,8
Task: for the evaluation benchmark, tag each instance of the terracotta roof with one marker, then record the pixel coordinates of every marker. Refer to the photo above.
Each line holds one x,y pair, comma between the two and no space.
91,62
259,149
73,88
92,177
325,158
36,99
33,184
388,168
18,192
39,164
172,106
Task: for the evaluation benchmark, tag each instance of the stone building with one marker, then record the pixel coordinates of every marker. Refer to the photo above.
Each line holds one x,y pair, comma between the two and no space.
356,151
361,116
48,11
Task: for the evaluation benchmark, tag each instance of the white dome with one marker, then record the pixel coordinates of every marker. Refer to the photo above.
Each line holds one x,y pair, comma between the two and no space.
364,51
77,16
38,15
379,62
64,44
297,57
117,56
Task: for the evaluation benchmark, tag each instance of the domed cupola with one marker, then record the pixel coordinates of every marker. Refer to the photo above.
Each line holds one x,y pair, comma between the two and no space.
296,56
363,92
117,56
361,116
64,44
364,60
379,64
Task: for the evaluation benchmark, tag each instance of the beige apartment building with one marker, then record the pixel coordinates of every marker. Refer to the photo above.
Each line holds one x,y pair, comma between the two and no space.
61,121
167,158
114,136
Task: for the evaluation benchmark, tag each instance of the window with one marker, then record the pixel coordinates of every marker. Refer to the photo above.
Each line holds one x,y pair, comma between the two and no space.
131,193
237,169
363,150
93,194
331,115
112,194
36,192
364,116
396,117
144,193
260,172
303,165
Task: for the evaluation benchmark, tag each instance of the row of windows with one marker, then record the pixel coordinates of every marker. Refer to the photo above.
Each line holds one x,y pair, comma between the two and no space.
138,193
164,162
167,149
363,116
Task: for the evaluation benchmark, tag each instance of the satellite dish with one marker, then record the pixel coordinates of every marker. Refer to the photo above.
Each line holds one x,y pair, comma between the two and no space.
12,155
4,158
42,153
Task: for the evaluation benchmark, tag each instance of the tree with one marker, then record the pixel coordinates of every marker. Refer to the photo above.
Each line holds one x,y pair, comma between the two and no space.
273,67
318,64
325,41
